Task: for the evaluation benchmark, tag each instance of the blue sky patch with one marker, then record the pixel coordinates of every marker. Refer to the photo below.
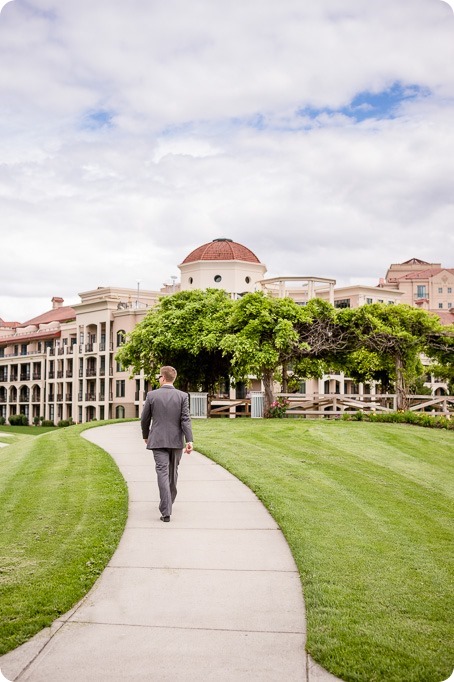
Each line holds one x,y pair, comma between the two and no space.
380,105
95,120
383,104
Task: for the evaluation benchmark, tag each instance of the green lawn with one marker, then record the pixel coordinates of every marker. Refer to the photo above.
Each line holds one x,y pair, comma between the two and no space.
367,510
63,506
26,430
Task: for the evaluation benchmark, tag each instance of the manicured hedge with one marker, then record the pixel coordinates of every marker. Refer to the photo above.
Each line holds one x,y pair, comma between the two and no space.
417,418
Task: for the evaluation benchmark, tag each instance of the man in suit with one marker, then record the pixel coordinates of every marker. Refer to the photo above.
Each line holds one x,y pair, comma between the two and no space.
168,411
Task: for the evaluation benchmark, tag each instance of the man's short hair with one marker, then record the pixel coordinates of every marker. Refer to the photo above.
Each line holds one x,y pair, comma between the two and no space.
169,373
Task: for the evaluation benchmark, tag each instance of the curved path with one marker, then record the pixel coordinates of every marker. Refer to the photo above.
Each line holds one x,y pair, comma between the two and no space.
213,595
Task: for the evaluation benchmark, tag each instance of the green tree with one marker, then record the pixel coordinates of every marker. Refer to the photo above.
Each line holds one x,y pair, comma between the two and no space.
441,350
266,335
184,330
390,339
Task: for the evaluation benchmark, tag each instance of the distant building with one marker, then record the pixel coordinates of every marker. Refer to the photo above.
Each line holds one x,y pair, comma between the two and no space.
423,285
61,364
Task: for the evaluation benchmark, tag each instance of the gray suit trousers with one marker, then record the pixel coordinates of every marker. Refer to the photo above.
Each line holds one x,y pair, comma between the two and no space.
167,461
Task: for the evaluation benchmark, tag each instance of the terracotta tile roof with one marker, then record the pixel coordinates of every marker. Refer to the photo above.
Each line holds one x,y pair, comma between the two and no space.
446,317
415,261
424,274
222,249
62,314
32,336
10,325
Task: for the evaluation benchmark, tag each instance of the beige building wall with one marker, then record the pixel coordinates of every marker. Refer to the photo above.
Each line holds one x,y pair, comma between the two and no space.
424,285
67,370
236,277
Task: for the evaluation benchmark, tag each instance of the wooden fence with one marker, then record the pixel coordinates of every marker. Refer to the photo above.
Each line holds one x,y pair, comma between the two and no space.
335,404
325,405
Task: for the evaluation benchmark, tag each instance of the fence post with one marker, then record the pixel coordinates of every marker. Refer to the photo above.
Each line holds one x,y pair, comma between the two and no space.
198,405
257,404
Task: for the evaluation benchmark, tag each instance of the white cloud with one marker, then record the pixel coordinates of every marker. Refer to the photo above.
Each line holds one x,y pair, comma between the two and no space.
133,132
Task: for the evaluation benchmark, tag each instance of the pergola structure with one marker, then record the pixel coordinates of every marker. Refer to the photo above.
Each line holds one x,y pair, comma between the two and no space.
301,289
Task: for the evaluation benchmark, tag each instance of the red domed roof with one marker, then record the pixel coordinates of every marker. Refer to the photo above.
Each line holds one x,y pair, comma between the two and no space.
222,249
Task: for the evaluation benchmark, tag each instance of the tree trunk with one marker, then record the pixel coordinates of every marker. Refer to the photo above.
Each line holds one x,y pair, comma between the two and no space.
284,378
268,386
401,385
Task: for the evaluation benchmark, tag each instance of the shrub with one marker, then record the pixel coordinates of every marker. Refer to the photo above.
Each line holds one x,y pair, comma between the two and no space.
2,421
418,418
47,422
65,422
278,408
18,420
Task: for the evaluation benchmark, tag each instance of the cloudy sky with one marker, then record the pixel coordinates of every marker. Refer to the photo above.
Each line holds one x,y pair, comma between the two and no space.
319,134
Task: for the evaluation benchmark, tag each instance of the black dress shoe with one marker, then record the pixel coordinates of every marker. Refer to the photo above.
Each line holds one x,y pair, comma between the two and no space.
166,519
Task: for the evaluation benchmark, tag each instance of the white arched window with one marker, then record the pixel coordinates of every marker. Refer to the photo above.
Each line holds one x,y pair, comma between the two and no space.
121,337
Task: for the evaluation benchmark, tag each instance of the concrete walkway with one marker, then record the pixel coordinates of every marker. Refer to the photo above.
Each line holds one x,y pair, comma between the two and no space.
213,595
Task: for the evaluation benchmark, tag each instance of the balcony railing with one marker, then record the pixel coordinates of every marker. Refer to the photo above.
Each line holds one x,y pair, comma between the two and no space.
25,377
36,398
91,372
69,398
61,351
59,397
51,375
102,372
90,397
79,397
19,354
60,374
51,397
2,398
69,373
3,379
24,398
37,376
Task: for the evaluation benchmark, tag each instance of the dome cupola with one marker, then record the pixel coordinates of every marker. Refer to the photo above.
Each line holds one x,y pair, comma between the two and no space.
222,264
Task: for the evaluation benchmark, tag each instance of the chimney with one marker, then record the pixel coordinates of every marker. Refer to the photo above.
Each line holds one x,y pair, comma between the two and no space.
57,302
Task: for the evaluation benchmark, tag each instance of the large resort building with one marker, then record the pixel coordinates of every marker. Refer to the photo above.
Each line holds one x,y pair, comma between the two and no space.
61,365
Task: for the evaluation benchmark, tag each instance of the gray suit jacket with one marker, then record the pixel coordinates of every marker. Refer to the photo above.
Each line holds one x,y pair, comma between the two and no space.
167,409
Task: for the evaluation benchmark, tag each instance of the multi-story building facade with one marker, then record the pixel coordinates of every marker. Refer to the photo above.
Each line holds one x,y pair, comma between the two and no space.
424,285
61,365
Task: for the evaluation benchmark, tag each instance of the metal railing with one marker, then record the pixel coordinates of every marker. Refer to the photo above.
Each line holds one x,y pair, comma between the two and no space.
198,405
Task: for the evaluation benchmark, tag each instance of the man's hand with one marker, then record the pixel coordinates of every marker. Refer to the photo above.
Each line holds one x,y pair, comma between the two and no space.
145,441
189,448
